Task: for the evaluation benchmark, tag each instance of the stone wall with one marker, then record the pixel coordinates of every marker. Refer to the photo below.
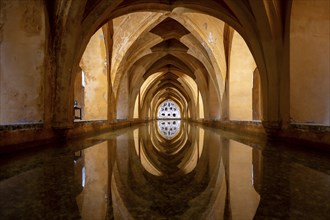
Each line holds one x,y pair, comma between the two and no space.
22,54
94,65
242,66
309,62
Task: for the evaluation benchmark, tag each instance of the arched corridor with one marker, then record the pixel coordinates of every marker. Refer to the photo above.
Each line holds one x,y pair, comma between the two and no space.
258,71
226,64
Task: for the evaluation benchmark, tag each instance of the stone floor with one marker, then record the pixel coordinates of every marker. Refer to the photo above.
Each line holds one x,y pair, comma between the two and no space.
137,173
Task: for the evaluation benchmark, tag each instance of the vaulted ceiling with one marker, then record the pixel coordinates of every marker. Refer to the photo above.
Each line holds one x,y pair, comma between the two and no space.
174,59
174,40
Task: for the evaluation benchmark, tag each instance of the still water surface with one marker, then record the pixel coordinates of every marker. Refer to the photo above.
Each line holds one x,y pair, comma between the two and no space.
165,170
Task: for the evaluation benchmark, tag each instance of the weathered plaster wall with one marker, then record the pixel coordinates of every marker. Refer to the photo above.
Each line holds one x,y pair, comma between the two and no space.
309,62
136,107
22,54
200,106
79,91
242,66
209,30
212,110
123,97
94,65
126,30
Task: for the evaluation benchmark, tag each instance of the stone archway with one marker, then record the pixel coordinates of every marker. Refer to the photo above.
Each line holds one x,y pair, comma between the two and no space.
264,38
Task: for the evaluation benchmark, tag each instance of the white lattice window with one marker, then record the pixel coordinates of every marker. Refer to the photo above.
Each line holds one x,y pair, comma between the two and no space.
168,110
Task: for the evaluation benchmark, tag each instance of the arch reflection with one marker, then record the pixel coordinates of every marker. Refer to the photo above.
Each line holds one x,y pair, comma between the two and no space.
196,174
161,156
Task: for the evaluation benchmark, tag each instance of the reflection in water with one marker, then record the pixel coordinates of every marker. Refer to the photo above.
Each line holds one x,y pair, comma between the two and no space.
92,201
167,157
169,128
140,174
196,174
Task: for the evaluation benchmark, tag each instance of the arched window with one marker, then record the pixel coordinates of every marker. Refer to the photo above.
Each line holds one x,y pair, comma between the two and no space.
169,110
